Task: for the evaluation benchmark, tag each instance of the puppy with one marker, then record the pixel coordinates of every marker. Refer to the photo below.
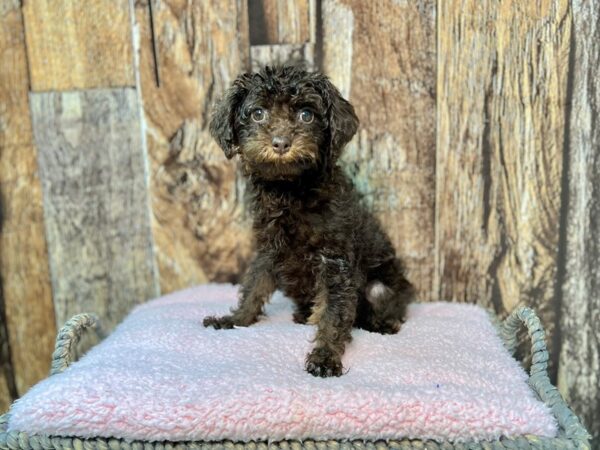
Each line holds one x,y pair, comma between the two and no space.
314,238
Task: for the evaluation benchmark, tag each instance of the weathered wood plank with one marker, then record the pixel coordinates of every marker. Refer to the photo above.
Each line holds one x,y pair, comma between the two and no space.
502,79
7,389
78,44
15,126
96,213
382,54
25,281
199,226
579,364
263,55
279,21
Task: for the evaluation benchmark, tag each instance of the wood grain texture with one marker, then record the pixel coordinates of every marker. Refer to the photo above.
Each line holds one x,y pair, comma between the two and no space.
25,281
96,213
579,364
15,126
502,83
199,225
6,374
279,21
78,44
382,55
284,54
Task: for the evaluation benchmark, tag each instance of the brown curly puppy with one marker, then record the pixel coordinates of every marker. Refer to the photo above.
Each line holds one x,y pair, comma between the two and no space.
314,238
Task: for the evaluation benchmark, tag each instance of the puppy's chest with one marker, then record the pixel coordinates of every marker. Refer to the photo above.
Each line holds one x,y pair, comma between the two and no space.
289,230
295,241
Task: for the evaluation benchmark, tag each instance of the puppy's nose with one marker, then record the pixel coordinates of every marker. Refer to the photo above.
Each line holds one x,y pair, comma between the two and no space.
281,144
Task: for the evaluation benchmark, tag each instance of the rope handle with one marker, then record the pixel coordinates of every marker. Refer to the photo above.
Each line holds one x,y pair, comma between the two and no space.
67,339
539,380
539,353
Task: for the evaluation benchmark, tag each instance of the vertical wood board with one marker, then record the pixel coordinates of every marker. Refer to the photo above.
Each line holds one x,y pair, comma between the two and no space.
15,126
279,21
78,44
29,329
93,176
579,369
382,55
199,225
502,79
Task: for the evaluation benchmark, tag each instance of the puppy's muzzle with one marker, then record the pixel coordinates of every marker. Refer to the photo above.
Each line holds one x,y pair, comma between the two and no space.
281,144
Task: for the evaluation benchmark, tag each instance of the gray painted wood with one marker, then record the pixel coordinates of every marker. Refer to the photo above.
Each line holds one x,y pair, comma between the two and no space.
93,174
294,54
579,364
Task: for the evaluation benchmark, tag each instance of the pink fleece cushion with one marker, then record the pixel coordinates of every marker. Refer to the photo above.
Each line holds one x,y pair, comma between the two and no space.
162,376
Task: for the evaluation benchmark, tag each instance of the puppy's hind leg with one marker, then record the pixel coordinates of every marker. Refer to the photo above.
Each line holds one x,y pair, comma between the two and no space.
257,288
388,293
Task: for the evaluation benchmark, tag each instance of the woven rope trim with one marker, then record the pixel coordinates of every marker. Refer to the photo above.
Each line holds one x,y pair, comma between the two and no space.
67,339
572,434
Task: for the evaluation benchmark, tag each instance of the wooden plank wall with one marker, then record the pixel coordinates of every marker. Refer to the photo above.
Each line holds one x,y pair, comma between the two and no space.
75,218
516,173
29,328
478,150
502,86
198,221
92,163
392,158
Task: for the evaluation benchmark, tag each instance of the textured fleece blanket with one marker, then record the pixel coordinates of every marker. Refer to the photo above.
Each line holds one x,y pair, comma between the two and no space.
162,376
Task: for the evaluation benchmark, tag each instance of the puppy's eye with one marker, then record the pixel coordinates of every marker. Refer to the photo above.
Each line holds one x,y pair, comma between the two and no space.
259,115
306,116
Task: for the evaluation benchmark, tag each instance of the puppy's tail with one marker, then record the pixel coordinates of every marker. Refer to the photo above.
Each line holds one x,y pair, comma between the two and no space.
378,293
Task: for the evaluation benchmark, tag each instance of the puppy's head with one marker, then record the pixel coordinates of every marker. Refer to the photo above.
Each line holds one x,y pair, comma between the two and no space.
283,121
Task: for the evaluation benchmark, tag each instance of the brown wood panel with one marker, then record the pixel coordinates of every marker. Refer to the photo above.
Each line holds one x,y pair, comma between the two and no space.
579,364
502,84
382,54
199,225
29,329
26,284
78,44
15,126
279,21
96,212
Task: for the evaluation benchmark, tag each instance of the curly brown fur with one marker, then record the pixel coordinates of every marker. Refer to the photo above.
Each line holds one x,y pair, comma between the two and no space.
314,238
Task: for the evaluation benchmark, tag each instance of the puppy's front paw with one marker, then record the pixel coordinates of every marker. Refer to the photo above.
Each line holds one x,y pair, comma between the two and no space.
224,322
388,327
322,362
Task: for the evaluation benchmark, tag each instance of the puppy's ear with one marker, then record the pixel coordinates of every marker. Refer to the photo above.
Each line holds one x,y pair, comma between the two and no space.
223,119
342,119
